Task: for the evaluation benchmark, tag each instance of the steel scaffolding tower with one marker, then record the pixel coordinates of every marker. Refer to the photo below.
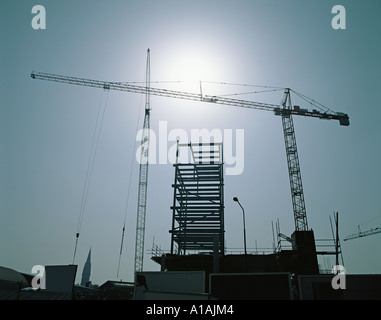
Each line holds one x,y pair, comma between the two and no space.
198,201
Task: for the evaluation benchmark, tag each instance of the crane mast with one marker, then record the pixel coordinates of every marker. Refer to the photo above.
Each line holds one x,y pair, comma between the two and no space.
143,177
298,204
285,110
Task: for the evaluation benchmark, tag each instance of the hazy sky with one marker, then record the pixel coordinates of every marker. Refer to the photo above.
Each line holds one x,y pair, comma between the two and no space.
47,128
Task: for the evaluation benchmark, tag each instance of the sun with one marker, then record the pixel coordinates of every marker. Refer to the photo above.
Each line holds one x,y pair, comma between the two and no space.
191,67
188,64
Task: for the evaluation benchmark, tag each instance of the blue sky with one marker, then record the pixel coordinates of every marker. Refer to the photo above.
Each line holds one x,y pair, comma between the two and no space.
47,128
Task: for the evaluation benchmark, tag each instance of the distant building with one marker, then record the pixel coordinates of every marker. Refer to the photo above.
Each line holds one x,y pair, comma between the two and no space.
85,281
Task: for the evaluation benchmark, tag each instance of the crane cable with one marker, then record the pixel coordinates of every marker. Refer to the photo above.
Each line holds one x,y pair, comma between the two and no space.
250,92
129,188
313,102
90,166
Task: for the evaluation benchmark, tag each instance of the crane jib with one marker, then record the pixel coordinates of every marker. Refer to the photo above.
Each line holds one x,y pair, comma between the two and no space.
120,86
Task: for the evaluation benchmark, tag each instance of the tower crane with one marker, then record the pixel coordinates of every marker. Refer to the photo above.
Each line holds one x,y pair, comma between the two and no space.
286,110
361,234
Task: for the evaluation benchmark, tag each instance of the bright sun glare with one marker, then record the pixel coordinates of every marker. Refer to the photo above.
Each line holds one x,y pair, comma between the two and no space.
188,66
191,67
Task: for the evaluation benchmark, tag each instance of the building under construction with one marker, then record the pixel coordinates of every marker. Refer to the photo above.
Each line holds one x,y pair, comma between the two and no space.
197,266
197,234
198,201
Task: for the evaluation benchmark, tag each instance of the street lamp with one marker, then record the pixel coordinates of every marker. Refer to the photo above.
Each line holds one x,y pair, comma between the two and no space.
244,225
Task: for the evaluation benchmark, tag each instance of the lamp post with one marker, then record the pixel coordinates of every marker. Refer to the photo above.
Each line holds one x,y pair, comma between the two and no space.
244,225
